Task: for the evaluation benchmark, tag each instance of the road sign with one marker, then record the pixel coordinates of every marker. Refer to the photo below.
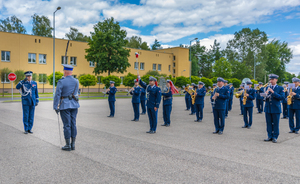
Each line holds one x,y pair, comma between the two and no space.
12,77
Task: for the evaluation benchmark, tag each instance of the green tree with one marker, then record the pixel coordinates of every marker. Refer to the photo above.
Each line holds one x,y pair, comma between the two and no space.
129,80
75,35
4,76
41,26
236,82
106,80
58,75
254,82
43,78
222,68
20,76
12,25
107,48
145,78
194,79
156,45
87,81
137,43
240,70
208,82
182,81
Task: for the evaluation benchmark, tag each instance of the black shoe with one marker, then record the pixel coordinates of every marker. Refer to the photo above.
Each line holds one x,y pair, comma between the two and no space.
163,125
67,147
143,113
197,120
291,132
296,132
149,131
220,133
109,116
241,114
152,132
258,113
133,120
187,109
249,127
284,118
192,114
137,120
26,132
29,131
211,112
268,139
215,132
167,125
244,126
73,143
274,140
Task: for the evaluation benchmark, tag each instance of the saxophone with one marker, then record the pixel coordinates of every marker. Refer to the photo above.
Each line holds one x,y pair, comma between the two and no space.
245,98
289,98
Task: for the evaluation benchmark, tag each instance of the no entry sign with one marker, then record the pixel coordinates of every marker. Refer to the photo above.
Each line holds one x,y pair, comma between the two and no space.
12,77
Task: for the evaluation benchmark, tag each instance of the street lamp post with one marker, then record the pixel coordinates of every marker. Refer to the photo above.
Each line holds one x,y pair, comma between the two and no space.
58,8
182,72
191,57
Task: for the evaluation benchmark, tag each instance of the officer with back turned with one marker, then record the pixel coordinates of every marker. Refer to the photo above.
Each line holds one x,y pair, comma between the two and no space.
135,92
199,101
249,93
294,108
66,103
167,104
111,98
143,101
284,101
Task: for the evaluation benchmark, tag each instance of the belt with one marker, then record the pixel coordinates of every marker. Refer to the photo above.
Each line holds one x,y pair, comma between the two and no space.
167,98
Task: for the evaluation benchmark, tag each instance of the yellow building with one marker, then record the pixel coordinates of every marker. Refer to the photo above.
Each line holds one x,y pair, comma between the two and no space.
35,53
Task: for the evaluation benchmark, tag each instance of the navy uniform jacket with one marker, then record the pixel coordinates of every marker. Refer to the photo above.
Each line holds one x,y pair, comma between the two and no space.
273,104
187,95
221,100
65,87
31,98
143,94
136,95
111,93
153,95
211,95
261,90
200,95
296,100
250,98
167,97
231,92
286,94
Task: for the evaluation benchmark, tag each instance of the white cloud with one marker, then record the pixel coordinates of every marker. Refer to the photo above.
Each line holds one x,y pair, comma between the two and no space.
294,65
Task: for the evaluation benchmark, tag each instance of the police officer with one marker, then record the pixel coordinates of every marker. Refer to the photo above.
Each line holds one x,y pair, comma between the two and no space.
211,95
274,95
135,92
153,101
187,99
30,98
167,104
248,107
284,101
260,99
193,110
227,100
143,101
242,87
231,96
221,94
111,98
66,102
294,108
199,101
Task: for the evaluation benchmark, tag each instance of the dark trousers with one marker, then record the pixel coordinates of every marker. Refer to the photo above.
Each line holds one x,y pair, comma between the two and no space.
226,110
112,108
272,120
199,111
260,105
188,103
241,107
28,116
193,110
248,112
143,105
284,110
219,119
167,114
152,115
136,110
68,118
256,102
292,125
230,104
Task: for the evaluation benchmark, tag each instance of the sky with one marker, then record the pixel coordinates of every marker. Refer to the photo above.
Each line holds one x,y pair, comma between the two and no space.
172,22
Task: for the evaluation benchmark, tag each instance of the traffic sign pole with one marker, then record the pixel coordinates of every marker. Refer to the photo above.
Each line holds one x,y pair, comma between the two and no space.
12,91
12,77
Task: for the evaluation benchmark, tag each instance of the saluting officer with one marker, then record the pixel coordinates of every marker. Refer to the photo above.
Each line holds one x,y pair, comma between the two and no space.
187,99
231,96
111,98
211,95
193,110
199,101
284,101
221,95
167,104
135,92
260,99
294,108
143,101
30,99
153,101
274,95
242,87
248,107
66,102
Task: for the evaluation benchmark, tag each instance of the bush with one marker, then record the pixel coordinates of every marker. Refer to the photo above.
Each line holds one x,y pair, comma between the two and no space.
128,80
182,81
254,81
106,80
195,79
236,82
58,75
214,79
206,81
145,78
88,80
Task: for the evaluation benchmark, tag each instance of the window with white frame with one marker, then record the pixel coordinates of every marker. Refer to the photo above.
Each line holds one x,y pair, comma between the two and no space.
154,67
5,56
159,67
142,66
92,64
31,58
42,78
122,79
64,60
73,61
136,65
42,58
5,79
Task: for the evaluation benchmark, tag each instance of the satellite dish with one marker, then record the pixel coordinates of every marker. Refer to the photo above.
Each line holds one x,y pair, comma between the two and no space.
246,80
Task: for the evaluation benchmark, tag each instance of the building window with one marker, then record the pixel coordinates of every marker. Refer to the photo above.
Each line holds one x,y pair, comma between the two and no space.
5,56
169,68
42,78
5,79
99,80
34,76
154,67
173,64
92,64
42,58
31,58
159,67
173,70
142,66
75,76
122,79
136,65
73,61
39,40
64,60
35,40
174,58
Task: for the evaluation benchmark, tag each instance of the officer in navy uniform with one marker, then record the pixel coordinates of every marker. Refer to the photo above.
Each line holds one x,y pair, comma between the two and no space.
143,101
66,103
167,104
187,99
274,95
284,102
260,99
231,96
30,98
211,95
135,92
227,104
221,95
153,101
294,108
193,110
111,98
242,87
199,101
248,107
